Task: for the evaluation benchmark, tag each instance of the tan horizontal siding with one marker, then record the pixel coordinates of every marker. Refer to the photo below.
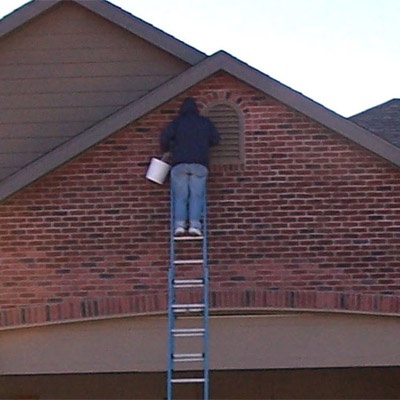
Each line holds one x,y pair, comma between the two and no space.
72,86
9,101
73,70
73,40
86,53
39,130
75,87
66,70
30,144
60,114
32,56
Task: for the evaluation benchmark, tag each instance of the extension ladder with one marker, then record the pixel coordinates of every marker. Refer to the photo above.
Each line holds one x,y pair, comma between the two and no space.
188,311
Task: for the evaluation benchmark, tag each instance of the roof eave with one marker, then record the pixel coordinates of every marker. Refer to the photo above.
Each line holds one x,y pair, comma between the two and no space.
24,14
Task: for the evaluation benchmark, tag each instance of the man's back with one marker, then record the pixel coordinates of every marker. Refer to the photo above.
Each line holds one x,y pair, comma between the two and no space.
189,136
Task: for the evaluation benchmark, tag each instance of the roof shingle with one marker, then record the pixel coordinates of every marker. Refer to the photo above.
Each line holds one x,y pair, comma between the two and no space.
383,120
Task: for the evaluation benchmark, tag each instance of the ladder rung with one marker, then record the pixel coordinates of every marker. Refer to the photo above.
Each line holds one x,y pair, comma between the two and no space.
181,283
187,332
188,357
187,380
187,237
188,307
183,262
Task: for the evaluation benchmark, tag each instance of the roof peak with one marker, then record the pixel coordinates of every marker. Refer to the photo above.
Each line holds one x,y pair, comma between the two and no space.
114,14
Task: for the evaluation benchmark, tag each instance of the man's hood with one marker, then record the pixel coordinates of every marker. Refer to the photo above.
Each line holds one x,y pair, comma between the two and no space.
189,106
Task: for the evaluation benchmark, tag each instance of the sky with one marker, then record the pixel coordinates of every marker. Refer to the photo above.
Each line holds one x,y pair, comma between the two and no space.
343,54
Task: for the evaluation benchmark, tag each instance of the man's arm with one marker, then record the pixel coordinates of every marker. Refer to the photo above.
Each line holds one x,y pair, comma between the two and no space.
166,136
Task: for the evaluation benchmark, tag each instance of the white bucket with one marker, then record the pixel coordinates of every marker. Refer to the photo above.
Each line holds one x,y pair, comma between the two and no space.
157,171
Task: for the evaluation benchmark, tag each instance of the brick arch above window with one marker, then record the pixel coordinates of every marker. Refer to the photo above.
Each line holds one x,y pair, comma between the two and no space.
228,120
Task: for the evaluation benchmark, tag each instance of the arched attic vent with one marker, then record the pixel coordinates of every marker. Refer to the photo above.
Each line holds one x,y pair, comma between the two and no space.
229,122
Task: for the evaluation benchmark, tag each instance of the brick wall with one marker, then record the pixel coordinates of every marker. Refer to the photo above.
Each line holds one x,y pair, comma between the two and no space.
308,220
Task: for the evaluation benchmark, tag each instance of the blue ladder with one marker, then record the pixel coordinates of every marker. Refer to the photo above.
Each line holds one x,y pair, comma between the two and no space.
188,310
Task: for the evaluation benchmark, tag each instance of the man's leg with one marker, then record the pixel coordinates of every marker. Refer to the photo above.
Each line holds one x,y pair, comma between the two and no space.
180,191
197,187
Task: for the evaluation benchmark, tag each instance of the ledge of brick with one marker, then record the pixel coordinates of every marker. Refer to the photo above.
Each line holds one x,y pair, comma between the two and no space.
242,299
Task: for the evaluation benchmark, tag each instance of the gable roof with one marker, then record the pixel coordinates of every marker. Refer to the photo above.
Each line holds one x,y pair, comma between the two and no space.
113,14
219,61
384,120
202,67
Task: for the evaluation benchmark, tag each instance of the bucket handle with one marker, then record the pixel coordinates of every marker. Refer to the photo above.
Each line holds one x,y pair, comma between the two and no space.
166,157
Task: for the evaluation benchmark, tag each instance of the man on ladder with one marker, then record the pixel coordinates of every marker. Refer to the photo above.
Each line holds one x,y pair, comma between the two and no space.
188,138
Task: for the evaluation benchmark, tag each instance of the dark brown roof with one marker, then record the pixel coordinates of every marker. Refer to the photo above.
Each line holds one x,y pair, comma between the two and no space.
384,120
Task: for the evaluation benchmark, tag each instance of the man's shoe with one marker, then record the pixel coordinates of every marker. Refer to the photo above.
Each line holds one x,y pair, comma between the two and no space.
179,231
194,231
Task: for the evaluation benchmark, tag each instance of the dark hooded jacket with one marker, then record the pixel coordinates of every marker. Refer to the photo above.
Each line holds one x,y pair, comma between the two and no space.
189,136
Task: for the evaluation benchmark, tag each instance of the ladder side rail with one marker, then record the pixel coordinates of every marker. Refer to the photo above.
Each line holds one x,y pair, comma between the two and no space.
205,301
171,298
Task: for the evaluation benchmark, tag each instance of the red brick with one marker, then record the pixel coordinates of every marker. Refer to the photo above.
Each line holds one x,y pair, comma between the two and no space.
308,211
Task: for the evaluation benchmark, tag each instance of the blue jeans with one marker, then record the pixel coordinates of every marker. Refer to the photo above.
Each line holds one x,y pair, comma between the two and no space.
188,184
